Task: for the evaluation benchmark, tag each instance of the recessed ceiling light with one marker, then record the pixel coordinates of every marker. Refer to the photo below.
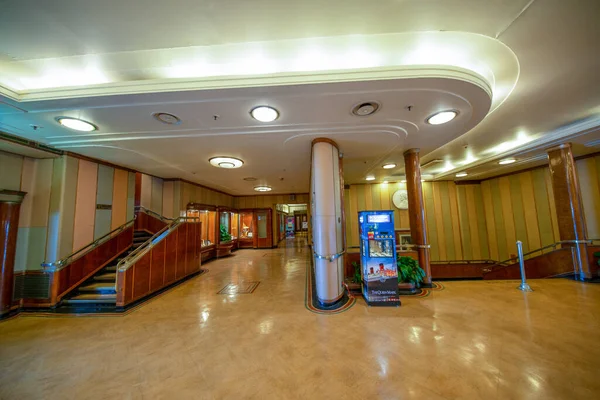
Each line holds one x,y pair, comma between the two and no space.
370,178
461,174
442,117
167,118
364,109
262,188
76,124
226,162
264,113
389,166
506,161
250,179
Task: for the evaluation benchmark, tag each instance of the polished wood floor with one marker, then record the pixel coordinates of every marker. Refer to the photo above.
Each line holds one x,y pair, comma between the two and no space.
472,340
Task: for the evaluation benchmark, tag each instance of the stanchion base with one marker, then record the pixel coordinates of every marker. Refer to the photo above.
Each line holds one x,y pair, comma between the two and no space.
524,287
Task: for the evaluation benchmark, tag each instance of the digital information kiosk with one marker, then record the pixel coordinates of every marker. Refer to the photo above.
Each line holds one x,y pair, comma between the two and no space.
378,258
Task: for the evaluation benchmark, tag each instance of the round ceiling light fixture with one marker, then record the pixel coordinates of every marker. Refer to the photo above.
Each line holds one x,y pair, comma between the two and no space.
263,188
76,124
389,166
506,161
167,118
442,117
264,113
461,174
370,178
365,109
226,162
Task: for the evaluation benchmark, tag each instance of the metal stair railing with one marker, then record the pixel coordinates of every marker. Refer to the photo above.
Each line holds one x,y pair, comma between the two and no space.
149,244
62,263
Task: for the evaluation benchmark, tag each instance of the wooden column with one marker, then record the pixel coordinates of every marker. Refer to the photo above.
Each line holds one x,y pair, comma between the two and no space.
416,211
569,210
10,205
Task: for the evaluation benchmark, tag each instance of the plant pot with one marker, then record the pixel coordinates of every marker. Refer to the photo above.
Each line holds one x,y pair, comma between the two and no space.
408,288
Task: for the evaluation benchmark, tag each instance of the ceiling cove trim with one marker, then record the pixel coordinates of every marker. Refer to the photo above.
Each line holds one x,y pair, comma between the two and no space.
236,81
550,139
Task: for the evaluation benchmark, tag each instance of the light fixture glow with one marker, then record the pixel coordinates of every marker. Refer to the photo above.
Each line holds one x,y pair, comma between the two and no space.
385,182
262,188
403,181
76,124
389,166
370,178
264,113
461,174
506,161
226,162
442,117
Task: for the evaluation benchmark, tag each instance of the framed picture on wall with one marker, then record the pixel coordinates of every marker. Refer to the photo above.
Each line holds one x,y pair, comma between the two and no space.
404,241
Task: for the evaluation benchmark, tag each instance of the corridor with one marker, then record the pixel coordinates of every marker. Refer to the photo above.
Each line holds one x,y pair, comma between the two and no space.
470,340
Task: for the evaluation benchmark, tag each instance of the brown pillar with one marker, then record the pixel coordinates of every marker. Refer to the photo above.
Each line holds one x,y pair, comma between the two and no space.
569,210
10,205
416,210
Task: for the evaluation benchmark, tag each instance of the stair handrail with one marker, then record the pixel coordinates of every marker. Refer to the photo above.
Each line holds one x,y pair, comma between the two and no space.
553,246
63,262
153,214
125,263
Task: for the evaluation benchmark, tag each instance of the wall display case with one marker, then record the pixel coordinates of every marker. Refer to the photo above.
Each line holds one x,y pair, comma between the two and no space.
378,258
246,226
208,237
228,232
256,229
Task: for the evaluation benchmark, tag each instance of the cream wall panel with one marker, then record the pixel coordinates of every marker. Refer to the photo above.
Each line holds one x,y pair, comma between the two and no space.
85,204
11,166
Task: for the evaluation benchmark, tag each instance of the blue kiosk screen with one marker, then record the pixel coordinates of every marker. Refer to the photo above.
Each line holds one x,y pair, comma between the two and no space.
378,258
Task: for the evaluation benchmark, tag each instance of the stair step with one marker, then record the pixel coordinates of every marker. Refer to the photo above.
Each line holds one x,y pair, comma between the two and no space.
92,298
108,277
99,288
110,268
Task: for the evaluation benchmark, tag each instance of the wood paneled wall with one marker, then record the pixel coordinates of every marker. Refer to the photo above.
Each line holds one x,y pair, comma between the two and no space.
588,170
59,213
519,207
376,196
456,224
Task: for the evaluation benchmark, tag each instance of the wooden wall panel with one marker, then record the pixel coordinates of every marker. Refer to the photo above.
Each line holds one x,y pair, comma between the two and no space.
157,266
588,170
119,200
85,204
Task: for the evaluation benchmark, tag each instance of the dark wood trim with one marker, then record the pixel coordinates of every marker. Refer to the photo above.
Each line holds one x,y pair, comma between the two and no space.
7,137
274,194
200,207
595,154
469,182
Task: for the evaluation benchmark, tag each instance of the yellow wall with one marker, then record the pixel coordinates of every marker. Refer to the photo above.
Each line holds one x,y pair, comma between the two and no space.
376,196
588,170
519,207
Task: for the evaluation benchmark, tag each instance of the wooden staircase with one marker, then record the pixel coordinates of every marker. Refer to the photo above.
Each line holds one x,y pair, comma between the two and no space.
98,293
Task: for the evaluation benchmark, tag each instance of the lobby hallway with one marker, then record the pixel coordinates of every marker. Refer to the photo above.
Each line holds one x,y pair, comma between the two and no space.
472,340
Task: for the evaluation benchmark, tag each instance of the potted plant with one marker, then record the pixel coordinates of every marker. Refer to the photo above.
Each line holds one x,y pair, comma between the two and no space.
225,236
410,275
354,282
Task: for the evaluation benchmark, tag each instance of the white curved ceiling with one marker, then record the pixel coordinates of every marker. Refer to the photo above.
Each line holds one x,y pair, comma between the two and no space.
533,64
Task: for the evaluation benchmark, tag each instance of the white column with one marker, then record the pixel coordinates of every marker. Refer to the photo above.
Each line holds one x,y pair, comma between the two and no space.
327,220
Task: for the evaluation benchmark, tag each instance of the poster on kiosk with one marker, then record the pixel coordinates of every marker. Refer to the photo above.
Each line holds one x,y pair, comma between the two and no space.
378,258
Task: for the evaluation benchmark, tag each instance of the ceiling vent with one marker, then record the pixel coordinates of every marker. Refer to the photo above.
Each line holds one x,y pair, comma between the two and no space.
431,163
365,109
167,118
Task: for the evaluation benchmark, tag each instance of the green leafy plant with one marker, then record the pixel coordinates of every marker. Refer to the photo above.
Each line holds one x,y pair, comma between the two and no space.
409,271
225,236
356,278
